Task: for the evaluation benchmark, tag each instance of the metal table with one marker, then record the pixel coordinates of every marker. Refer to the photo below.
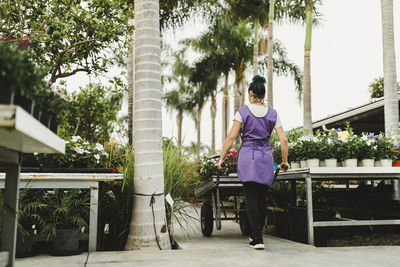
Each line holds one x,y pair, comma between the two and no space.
19,132
71,181
339,173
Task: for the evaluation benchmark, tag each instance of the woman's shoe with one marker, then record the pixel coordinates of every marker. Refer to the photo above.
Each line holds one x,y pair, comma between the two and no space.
256,244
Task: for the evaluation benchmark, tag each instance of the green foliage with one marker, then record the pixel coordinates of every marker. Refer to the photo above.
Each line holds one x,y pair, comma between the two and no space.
65,209
70,36
31,210
17,68
376,88
92,113
367,147
209,168
115,208
386,147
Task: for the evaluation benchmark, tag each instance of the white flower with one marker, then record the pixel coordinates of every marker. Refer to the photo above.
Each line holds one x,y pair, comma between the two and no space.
375,147
79,150
364,138
99,147
85,143
35,153
104,153
75,138
329,141
96,156
369,142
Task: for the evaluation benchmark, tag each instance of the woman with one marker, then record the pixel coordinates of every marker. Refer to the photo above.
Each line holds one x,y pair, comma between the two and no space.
255,122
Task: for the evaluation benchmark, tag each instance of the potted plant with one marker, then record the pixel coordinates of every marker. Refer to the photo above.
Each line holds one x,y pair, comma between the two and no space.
331,148
20,77
29,219
350,144
366,149
294,154
385,151
66,213
311,146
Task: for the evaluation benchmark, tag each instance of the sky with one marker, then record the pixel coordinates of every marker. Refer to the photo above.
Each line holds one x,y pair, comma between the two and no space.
346,57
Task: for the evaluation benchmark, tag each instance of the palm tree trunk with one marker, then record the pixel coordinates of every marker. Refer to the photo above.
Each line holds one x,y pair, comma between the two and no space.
237,86
179,119
213,110
198,123
243,89
255,48
307,120
225,109
148,178
270,61
391,108
131,73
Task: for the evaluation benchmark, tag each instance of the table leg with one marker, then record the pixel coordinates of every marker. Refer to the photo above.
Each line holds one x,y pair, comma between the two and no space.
10,208
396,189
310,219
94,207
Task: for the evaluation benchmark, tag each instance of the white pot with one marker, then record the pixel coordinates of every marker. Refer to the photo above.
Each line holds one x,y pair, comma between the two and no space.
313,162
331,163
386,163
350,163
377,163
295,165
322,163
367,162
303,164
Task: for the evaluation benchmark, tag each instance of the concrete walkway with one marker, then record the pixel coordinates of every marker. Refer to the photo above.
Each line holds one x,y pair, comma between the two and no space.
228,247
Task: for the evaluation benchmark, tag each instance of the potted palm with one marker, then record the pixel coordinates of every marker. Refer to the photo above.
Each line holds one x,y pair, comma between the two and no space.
29,219
66,213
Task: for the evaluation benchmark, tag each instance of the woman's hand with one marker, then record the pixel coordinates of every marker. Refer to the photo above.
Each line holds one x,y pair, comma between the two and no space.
284,163
220,162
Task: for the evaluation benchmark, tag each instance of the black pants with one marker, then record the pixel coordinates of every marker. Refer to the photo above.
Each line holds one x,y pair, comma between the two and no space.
255,195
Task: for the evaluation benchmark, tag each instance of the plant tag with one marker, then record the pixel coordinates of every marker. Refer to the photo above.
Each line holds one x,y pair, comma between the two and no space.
169,199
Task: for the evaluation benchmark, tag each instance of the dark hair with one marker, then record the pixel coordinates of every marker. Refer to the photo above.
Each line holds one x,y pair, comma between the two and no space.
257,86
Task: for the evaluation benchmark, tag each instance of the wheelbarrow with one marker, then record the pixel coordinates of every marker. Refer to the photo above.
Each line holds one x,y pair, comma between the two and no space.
212,193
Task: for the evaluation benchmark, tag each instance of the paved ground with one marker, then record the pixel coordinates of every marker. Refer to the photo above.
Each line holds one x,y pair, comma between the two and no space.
228,247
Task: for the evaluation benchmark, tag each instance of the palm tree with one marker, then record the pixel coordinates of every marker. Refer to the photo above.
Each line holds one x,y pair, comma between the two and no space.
131,90
177,99
147,227
389,69
307,120
270,65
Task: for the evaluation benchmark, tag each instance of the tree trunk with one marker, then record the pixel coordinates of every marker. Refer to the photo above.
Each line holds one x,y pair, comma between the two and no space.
198,123
213,110
131,67
307,120
148,177
391,108
255,48
225,109
243,89
179,119
270,61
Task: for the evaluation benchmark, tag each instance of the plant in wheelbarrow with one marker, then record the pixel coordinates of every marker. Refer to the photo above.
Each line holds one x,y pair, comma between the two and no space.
66,213
29,219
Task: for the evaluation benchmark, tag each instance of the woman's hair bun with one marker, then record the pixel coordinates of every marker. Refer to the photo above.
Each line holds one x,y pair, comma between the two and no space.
259,79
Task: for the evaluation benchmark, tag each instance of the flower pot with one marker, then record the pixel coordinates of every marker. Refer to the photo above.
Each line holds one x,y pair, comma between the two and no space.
313,163
350,163
330,162
386,162
295,165
322,163
367,162
303,164
377,163
66,242
396,163
24,245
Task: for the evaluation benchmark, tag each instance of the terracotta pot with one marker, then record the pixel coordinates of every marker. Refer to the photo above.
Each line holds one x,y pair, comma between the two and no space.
396,163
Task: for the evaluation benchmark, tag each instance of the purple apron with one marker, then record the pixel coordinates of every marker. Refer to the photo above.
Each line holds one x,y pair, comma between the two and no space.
255,162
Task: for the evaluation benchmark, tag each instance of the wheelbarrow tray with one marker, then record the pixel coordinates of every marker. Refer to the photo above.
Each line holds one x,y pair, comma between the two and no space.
227,185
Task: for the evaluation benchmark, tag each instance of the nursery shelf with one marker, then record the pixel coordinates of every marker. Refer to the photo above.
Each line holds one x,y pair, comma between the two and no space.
19,131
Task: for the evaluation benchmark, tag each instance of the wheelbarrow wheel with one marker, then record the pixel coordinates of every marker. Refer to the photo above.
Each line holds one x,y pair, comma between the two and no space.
207,220
244,221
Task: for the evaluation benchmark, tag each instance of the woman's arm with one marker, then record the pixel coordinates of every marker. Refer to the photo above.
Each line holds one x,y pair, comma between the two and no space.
229,141
284,146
